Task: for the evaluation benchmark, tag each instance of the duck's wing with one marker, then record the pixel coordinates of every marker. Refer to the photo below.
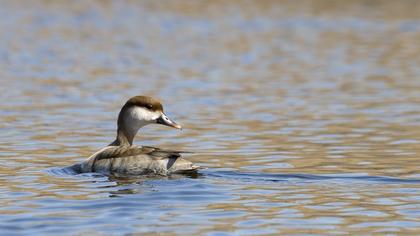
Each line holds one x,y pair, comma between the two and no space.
121,152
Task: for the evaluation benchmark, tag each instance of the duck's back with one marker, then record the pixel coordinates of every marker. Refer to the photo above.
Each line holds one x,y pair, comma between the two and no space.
133,160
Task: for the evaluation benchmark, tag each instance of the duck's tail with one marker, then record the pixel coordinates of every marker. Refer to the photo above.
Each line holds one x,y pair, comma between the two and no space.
181,165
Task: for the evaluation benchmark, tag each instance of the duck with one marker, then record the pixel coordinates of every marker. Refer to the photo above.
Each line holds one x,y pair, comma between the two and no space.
122,158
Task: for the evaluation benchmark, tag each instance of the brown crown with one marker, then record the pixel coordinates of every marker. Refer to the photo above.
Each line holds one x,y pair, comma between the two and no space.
145,102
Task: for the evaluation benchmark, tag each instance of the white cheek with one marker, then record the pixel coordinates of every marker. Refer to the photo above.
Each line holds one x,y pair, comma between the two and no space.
138,117
144,114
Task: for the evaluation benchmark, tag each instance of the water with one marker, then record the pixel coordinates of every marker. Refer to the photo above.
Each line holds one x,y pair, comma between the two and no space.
306,116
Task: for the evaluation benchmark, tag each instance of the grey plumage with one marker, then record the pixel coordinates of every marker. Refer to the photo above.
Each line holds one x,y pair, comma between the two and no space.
134,160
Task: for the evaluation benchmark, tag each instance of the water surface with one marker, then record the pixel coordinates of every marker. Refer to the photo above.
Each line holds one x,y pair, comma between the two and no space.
306,116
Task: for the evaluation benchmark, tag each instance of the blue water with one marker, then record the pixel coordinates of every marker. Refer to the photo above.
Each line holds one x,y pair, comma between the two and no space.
306,118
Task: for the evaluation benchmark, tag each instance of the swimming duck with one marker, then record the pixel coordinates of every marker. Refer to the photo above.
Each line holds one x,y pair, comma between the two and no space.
122,158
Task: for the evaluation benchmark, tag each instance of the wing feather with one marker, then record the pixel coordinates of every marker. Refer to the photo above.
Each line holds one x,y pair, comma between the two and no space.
121,152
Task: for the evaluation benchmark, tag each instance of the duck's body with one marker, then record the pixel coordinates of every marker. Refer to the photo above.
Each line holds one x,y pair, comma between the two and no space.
122,158
135,160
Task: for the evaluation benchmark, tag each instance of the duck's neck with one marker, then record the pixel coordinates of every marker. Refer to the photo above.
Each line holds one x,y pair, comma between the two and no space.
124,137
128,126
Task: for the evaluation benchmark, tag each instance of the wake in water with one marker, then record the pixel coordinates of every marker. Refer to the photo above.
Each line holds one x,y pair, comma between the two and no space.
245,176
259,176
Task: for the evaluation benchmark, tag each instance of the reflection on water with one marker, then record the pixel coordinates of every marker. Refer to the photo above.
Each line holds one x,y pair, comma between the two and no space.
306,116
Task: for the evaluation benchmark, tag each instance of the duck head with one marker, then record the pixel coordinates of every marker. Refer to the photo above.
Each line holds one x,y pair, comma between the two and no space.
137,112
